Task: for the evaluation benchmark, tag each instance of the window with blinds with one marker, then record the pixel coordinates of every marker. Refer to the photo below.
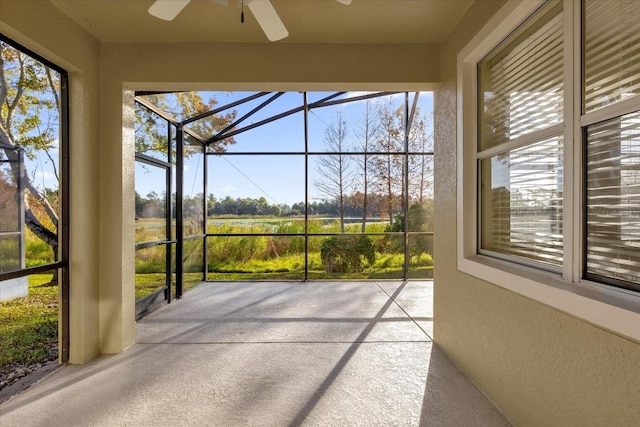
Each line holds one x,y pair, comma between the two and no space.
612,146
611,52
613,200
521,205
520,143
521,81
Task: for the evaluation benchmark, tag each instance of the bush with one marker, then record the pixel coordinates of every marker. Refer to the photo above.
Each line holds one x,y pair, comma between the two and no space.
422,260
343,254
391,261
419,220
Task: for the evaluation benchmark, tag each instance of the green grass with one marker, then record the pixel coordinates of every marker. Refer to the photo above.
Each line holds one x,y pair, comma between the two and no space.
395,274
148,283
29,325
387,266
271,256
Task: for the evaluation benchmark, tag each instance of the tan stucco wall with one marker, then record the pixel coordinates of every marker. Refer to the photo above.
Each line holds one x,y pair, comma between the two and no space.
42,28
540,366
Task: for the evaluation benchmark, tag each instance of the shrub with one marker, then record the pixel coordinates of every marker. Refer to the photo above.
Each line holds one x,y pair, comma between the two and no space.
422,260
395,261
342,254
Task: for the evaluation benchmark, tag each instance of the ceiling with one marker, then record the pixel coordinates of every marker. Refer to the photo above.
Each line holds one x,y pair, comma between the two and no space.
308,21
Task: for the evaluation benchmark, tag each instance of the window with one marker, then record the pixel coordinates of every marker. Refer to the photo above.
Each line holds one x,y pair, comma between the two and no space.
520,143
612,157
611,52
549,171
613,201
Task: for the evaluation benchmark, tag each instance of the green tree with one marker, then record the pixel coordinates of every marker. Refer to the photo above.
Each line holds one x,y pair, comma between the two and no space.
420,219
29,126
151,129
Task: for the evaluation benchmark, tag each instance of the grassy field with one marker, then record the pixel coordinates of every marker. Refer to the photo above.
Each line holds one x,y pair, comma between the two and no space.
272,256
29,325
151,282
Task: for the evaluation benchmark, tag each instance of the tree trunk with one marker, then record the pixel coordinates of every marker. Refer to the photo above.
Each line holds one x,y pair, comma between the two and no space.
30,219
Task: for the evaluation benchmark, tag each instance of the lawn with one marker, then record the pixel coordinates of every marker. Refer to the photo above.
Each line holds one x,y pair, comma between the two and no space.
147,283
29,326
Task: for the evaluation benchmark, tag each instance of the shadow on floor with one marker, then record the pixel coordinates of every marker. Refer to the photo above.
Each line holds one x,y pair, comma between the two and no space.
336,354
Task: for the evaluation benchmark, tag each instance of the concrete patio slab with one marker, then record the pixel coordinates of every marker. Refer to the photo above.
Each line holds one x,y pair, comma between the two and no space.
277,312
180,378
416,299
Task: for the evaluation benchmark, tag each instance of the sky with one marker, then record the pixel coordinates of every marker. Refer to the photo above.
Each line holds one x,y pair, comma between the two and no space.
280,179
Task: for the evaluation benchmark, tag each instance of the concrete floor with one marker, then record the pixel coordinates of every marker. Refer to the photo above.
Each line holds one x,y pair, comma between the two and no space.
270,354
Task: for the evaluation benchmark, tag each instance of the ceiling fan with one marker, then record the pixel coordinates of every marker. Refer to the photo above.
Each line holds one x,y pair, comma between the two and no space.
262,10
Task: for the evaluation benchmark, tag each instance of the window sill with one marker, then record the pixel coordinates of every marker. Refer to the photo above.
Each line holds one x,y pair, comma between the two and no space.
609,308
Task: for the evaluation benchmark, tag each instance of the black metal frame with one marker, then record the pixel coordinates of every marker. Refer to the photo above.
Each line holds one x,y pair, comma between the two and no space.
62,263
233,130
150,302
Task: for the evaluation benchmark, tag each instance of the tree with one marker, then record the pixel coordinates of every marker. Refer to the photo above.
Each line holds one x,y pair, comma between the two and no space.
29,123
151,130
389,169
367,130
420,168
334,169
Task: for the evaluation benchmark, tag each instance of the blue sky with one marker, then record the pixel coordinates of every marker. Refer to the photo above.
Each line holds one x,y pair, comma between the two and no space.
278,178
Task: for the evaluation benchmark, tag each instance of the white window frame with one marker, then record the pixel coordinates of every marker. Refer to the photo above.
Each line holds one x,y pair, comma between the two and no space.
608,307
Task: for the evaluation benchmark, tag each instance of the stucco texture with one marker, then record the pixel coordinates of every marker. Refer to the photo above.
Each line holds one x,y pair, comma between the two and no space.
540,366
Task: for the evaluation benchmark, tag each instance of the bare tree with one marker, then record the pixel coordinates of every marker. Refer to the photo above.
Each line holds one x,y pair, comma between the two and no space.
389,170
334,170
420,166
367,131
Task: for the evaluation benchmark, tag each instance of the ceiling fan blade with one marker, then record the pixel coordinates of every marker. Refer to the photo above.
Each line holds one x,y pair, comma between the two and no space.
344,2
167,9
268,19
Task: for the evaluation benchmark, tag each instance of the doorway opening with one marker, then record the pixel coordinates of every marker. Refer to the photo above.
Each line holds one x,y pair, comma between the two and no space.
273,186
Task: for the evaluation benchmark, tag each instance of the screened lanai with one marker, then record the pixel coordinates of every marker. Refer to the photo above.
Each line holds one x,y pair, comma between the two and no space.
273,186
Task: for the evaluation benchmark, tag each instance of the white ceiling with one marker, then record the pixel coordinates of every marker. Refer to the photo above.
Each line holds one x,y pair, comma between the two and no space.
308,21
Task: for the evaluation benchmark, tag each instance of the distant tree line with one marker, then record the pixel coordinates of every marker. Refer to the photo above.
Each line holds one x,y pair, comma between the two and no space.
153,206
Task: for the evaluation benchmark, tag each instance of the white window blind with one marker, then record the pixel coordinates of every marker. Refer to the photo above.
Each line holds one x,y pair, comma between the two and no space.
521,205
612,51
613,199
521,81
521,184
